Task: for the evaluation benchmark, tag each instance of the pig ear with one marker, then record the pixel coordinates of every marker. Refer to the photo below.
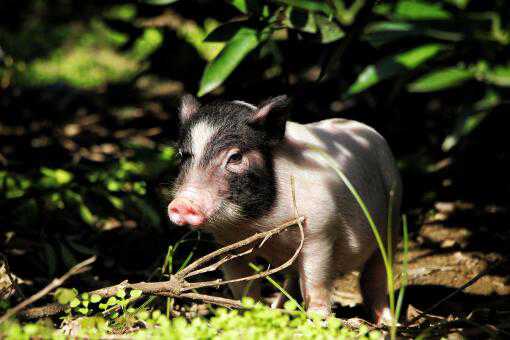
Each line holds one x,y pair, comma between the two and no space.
272,116
189,106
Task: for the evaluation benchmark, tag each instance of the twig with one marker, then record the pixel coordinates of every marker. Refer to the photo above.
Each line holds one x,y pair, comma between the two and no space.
455,292
178,287
218,264
184,272
79,268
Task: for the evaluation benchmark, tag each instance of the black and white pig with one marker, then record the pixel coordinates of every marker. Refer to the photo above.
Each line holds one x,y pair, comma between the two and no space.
237,160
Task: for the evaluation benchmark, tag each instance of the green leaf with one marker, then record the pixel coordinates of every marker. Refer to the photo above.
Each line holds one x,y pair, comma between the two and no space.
112,301
65,295
244,41
54,178
86,214
95,298
384,32
135,293
330,31
391,66
500,75
83,310
74,303
441,79
420,10
121,293
309,5
160,2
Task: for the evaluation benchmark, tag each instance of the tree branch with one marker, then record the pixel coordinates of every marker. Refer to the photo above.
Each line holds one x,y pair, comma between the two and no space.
77,269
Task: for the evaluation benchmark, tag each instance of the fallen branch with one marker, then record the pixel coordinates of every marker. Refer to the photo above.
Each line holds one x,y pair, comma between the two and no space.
77,269
178,287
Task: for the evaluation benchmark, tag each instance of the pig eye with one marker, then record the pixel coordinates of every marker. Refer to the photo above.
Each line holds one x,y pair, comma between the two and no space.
235,158
183,155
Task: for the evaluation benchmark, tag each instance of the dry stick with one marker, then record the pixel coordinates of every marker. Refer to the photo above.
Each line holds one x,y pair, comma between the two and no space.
218,264
455,292
79,268
264,235
213,299
177,286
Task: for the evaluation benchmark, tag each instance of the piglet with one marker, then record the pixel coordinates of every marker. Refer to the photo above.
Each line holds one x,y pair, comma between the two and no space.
237,160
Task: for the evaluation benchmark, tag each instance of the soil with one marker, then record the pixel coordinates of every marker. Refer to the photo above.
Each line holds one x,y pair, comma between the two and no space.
452,246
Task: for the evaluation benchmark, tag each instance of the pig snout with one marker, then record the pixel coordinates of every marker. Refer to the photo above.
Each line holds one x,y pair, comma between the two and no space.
192,207
184,212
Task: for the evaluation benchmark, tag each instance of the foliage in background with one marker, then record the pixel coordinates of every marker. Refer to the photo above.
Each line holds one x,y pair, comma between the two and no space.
88,91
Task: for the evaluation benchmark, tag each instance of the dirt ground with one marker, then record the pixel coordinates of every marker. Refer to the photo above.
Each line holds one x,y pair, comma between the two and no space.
451,247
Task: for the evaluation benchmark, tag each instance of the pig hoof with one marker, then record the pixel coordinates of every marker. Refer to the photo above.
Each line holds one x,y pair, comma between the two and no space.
384,317
322,311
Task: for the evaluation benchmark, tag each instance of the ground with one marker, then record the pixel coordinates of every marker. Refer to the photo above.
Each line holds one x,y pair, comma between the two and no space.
452,246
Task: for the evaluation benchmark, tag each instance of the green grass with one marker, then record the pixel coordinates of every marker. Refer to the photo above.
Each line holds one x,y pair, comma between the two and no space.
255,322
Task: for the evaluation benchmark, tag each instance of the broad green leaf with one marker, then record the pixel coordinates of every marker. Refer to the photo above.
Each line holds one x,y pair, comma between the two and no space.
391,66
243,42
160,2
309,5
420,10
330,31
384,32
500,75
441,79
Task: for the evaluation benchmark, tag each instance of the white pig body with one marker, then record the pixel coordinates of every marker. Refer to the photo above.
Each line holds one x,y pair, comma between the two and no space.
236,180
338,238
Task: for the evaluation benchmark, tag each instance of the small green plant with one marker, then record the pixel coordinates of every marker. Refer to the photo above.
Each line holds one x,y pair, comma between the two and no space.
279,287
256,321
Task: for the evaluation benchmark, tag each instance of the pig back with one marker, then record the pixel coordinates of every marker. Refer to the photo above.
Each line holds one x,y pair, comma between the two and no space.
329,207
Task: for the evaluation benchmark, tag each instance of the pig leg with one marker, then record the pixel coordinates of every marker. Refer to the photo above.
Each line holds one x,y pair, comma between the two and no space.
290,285
238,268
316,275
374,289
